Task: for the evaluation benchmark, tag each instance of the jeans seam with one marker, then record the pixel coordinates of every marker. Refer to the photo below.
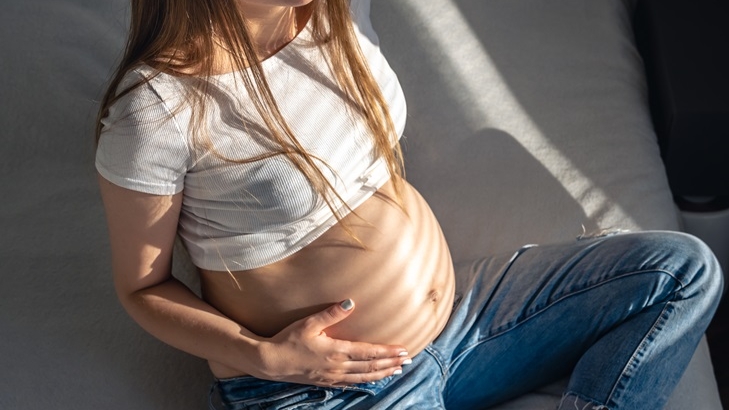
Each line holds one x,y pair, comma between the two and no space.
562,298
435,355
640,347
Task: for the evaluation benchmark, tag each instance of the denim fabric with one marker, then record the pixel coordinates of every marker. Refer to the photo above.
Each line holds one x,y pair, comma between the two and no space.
621,314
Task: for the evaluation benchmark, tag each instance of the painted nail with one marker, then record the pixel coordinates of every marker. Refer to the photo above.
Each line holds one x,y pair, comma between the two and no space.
397,372
403,354
408,361
347,304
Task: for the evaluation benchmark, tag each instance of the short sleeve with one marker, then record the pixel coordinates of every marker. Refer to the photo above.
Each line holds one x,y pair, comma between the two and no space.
141,147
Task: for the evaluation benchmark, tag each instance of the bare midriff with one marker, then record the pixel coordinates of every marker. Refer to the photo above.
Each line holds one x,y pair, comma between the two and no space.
400,278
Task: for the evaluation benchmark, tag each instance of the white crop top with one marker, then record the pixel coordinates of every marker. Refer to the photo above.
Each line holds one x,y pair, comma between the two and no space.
244,216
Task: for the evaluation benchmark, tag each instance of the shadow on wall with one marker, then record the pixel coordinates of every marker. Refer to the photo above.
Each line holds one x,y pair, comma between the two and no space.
66,341
568,100
479,187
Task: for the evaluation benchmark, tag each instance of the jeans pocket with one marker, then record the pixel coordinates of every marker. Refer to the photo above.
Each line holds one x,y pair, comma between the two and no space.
277,396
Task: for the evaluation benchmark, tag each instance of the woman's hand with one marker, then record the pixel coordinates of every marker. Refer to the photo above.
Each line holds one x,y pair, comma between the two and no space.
303,353
142,230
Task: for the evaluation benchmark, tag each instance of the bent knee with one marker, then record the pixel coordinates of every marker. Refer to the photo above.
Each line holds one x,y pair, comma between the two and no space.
684,256
696,263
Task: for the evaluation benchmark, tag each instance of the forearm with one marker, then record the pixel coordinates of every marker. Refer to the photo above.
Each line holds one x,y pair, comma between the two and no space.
301,353
142,229
172,313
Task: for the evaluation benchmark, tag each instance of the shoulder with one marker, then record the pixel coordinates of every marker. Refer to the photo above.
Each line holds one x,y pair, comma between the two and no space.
144,97
149,83
141,145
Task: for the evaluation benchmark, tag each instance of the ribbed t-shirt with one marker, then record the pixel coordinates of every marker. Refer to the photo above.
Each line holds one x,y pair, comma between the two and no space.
238,216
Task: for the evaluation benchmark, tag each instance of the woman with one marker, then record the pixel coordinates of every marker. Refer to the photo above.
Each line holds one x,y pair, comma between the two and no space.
264,133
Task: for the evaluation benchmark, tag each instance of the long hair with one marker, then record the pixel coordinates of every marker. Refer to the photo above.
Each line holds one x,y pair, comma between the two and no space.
180,37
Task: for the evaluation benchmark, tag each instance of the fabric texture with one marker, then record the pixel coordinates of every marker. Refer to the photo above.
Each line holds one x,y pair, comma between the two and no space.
625,312
238,216
526,120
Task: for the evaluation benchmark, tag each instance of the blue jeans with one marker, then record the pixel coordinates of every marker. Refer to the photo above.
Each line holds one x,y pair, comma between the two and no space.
621,314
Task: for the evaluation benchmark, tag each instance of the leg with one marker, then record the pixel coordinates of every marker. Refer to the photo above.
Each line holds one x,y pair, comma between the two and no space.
623,314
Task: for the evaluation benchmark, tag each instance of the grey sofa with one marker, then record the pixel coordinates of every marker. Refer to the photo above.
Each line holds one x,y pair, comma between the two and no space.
528,122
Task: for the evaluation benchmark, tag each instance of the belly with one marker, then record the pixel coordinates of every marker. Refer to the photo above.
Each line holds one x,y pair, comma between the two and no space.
394,263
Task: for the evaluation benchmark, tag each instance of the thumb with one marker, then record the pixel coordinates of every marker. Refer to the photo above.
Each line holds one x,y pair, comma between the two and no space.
330,316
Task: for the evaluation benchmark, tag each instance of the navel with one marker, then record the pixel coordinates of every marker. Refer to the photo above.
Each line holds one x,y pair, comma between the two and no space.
434,296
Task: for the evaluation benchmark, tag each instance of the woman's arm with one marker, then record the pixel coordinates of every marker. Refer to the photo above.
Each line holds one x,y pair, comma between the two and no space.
142,230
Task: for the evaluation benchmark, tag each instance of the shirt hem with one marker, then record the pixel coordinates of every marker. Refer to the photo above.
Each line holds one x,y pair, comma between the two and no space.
136,185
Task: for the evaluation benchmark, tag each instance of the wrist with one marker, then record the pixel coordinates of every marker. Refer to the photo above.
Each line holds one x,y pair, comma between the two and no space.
241,355
266,360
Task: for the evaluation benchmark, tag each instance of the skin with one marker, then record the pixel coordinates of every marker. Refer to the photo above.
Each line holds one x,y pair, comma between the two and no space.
285,321
273,23
302,336
402,280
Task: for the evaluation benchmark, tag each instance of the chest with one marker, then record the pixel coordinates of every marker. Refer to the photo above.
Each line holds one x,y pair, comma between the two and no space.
248,175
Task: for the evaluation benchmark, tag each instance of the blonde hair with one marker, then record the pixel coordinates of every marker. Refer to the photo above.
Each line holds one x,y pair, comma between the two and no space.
179,37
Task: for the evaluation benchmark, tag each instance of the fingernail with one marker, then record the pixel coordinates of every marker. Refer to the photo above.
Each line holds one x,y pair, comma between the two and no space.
403,354
396,372
347,304
408,361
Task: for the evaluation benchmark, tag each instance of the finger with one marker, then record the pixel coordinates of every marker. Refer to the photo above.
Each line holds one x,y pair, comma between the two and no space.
349,379
360,351
375,366
330,316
